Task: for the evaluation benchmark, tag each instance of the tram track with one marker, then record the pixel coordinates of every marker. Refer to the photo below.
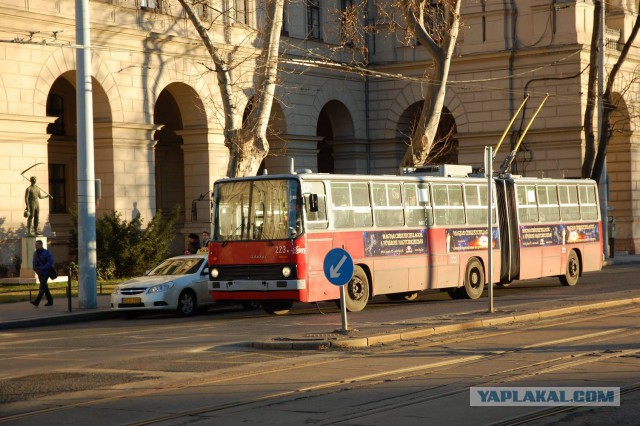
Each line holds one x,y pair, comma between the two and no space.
505,375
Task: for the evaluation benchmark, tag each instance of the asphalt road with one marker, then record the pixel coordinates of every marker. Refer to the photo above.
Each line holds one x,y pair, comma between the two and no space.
160,369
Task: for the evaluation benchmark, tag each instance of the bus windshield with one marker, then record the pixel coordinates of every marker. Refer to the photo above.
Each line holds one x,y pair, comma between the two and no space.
252,210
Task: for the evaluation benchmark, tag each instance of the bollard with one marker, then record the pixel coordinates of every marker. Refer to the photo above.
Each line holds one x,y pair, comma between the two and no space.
69,290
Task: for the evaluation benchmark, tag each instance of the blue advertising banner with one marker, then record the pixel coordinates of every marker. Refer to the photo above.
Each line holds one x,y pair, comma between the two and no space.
393,243
471,239
550,235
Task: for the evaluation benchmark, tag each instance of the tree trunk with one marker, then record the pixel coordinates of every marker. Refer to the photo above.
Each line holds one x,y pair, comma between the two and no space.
590,140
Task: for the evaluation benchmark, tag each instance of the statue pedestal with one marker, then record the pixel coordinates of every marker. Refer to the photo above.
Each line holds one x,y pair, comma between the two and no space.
28,247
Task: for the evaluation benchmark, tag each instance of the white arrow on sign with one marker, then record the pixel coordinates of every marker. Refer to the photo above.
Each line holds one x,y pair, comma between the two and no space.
333,270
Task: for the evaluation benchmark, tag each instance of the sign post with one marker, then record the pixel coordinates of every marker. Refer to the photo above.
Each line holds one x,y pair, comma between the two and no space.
488,167
338,268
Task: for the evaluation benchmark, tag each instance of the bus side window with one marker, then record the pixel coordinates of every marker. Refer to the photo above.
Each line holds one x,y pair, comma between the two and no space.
387,208
448,208
588,205
315,204
417,209
548,208
569,207
527,207
361,204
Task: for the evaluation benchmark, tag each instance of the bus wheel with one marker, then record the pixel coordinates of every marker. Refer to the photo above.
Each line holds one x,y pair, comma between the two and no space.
474,279
409,295
277,307
572,274
357,291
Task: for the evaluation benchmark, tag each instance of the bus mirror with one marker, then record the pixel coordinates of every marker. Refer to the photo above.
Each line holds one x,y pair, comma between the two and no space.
313,202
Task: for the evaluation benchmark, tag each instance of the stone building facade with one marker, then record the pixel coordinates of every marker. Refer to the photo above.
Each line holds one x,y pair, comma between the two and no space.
157,112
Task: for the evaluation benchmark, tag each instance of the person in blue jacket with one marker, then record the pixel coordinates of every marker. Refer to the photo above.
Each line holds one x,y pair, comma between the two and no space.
42,262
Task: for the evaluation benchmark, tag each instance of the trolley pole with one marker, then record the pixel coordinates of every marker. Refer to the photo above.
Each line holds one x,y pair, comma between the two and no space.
488,167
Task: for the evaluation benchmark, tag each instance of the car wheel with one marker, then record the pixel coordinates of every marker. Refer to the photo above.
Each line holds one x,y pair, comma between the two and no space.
187,303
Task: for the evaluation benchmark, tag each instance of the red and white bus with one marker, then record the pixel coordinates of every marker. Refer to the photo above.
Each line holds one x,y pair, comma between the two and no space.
405,234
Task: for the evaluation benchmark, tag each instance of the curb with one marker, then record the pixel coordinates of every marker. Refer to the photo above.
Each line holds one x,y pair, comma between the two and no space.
363,342
59,319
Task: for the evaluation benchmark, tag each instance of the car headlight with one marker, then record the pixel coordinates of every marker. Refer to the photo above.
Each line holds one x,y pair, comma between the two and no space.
286,272
160,288
214,273
116,290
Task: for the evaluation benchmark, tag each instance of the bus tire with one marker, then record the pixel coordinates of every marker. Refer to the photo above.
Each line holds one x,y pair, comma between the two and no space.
571,275
409,295
357,291
277,307
474,279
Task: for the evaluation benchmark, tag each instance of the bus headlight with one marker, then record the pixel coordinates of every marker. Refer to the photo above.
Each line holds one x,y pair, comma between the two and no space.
214,273
286,272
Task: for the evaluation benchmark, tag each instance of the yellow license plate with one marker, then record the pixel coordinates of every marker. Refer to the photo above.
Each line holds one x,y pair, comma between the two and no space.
130,300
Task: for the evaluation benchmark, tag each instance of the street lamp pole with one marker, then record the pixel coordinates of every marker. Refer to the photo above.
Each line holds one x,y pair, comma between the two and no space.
87,259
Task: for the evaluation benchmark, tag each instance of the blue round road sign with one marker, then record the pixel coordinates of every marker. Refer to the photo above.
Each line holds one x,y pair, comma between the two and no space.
338,266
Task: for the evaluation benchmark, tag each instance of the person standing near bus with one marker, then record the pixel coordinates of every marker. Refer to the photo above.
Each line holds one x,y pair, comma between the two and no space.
205,240
194,244
42,262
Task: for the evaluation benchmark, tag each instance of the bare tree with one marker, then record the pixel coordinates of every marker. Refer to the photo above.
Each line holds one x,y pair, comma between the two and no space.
248,144
439,39
593,167
433,24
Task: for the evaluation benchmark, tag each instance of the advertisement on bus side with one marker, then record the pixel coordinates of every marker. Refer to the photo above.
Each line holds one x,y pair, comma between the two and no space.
471,239
394,243
550,235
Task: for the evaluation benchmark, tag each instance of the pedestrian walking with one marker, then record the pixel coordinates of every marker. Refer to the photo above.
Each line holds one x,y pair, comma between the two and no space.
42,263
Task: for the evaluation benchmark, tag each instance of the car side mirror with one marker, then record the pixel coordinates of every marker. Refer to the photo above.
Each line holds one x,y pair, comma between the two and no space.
205,271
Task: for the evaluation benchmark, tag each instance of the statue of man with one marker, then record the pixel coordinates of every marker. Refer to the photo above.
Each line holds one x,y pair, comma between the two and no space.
31,196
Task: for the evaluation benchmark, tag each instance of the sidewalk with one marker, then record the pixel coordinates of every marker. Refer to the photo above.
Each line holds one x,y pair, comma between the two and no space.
23,314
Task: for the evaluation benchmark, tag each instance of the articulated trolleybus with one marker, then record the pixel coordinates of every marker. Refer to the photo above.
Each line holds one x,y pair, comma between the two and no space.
405,234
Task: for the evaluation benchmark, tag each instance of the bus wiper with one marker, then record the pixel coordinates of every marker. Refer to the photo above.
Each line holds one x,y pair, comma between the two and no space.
225,242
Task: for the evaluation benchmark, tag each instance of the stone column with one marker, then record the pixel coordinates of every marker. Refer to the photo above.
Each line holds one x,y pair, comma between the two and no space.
350,156
205,161
124,163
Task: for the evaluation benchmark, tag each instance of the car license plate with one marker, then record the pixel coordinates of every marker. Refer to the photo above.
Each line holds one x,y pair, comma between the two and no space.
130,300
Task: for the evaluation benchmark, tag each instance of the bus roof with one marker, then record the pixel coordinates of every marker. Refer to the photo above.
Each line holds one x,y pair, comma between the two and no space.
310,176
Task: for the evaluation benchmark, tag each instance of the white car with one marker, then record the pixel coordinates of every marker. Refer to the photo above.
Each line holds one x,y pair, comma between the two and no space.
177,284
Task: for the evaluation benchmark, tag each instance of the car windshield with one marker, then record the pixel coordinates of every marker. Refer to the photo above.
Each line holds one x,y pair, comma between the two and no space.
251,210
177,267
